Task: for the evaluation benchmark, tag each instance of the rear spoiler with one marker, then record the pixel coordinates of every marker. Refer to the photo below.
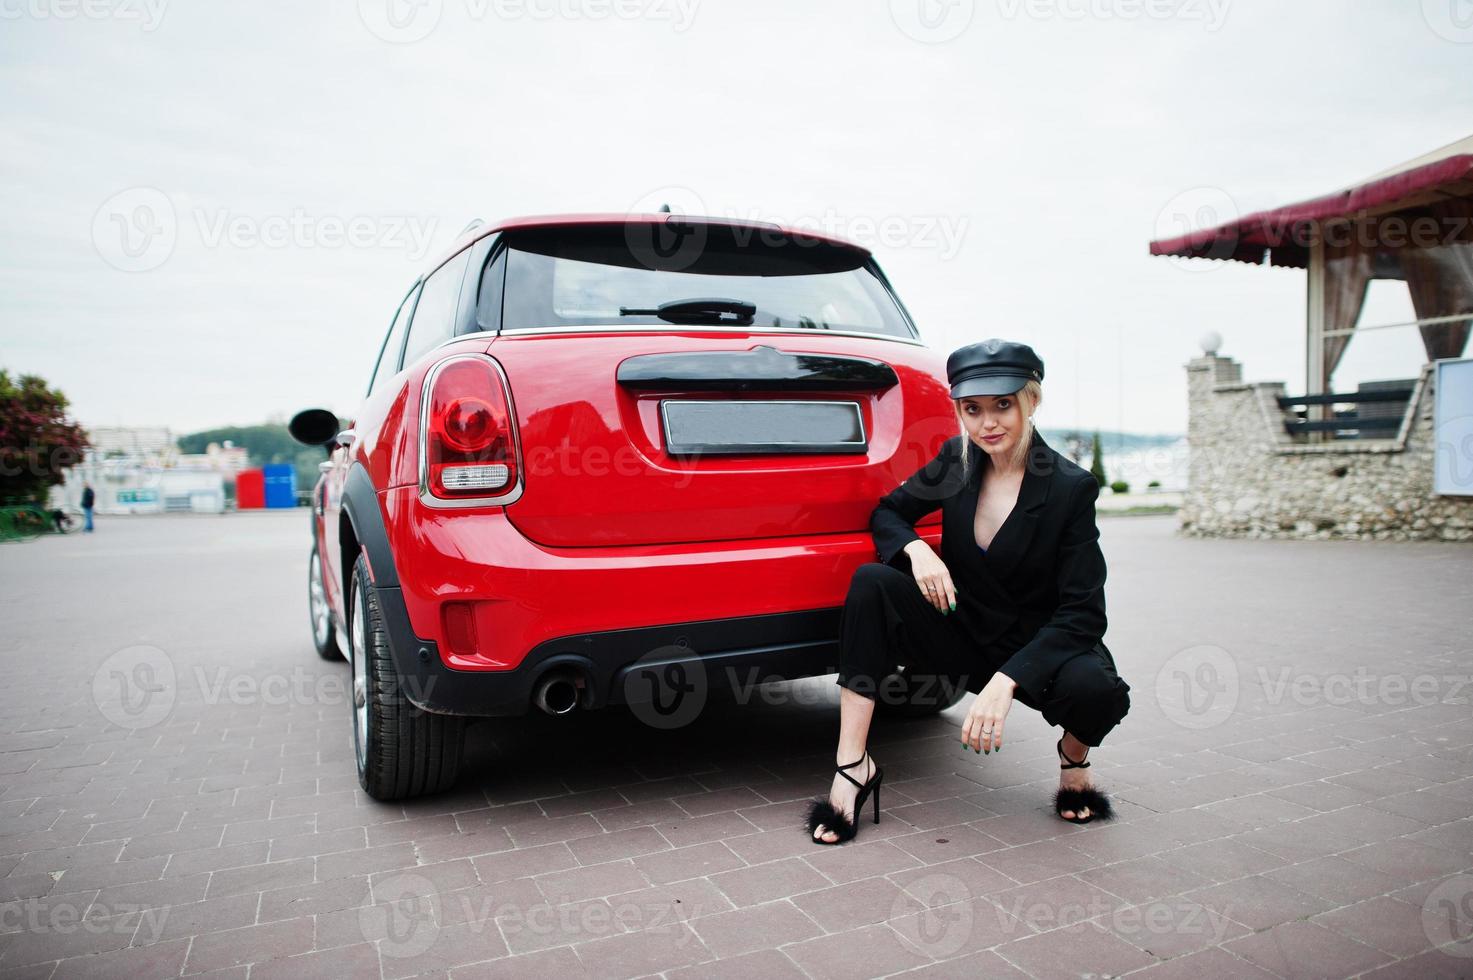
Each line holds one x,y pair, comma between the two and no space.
759,369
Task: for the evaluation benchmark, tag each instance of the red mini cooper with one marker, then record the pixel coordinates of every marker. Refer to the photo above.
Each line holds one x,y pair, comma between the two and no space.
603,459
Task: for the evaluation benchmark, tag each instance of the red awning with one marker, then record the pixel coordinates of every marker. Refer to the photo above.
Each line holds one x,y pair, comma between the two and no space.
1281,235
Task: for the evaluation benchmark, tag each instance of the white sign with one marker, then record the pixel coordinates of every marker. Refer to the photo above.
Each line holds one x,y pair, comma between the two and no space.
1452,427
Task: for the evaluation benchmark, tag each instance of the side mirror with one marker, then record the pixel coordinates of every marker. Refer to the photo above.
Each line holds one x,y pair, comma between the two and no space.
314,427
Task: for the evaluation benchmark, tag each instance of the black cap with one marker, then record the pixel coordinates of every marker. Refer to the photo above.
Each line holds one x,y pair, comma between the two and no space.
992,367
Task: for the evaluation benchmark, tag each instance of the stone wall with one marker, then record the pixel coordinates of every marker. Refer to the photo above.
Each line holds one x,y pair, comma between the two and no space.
1249,478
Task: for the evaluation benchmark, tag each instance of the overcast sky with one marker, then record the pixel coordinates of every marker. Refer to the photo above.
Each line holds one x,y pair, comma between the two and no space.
181,179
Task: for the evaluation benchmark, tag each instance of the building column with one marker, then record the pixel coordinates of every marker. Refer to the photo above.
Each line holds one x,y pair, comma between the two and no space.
1314,331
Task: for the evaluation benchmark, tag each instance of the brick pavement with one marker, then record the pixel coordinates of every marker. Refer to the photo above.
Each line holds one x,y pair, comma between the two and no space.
1293,783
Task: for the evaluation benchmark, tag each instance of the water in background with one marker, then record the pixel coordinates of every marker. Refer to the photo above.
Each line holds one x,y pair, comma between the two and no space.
1138,467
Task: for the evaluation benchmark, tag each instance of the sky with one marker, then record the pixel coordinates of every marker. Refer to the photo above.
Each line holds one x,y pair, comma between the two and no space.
212,210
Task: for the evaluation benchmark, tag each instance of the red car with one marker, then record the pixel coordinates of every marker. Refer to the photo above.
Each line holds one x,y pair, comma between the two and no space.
600,457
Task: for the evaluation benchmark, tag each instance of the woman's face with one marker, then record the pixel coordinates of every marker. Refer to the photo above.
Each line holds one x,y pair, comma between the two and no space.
993,423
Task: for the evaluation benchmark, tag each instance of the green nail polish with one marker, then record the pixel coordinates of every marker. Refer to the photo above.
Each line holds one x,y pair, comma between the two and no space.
953,607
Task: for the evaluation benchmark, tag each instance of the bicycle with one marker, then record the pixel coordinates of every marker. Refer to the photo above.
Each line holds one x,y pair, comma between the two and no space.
65,520
25,521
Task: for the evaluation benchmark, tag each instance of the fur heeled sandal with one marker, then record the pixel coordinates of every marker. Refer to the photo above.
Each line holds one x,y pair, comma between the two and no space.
822,812
1075,800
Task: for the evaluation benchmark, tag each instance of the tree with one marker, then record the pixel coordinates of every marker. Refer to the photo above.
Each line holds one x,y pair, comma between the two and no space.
38,443
1097,463
265,443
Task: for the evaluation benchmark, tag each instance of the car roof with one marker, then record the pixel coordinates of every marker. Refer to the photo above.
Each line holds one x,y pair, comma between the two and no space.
479,231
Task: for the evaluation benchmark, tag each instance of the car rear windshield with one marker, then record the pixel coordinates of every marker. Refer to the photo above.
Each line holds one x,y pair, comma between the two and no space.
620,275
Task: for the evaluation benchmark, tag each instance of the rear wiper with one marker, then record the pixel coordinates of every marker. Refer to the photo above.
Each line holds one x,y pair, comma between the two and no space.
695,311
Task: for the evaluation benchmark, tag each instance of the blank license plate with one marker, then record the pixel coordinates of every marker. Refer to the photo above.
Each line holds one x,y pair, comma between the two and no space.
765,427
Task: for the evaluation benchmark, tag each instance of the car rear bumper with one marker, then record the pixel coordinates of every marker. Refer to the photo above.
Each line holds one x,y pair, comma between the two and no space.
624,619
659,665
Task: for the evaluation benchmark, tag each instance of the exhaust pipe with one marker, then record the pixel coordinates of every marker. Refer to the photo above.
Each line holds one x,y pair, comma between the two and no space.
559,692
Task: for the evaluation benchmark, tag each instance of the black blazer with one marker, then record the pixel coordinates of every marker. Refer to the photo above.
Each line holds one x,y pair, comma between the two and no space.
1036,598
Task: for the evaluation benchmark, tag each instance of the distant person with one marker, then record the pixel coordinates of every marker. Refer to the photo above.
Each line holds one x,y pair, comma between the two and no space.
88,499
1012,609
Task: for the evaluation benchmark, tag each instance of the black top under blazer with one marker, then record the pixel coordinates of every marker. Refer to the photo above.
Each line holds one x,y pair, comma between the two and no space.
1036,597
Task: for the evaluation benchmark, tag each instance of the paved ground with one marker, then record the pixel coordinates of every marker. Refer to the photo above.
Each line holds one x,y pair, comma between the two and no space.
1293,781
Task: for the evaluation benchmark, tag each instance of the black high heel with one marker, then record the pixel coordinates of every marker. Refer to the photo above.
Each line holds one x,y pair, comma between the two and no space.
1075,800
821,811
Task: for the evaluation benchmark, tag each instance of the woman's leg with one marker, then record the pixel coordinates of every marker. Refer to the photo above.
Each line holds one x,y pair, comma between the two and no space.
855,712
1088,699
887,622
885,619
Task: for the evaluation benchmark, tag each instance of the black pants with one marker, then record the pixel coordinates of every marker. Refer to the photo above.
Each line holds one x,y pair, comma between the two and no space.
888,622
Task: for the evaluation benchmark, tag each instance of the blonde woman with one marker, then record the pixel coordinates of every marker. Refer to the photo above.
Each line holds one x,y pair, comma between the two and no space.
1013,608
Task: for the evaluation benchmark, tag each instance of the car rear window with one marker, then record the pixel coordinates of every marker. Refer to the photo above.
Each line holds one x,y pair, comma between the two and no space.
597,274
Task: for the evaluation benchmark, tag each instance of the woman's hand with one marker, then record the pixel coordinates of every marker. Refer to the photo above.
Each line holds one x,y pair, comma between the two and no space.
932,575
982,731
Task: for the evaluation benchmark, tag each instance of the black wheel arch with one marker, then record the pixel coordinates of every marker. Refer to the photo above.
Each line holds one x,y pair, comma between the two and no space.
361,531
361,528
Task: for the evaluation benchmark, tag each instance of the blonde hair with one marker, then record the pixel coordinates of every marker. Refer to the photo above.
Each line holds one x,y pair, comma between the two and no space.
1028,397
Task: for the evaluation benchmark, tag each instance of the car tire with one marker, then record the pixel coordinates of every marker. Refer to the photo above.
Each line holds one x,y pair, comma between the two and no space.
324,632
920,700
400,750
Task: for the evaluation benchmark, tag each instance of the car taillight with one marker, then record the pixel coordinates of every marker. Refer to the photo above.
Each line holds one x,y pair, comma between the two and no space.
469,446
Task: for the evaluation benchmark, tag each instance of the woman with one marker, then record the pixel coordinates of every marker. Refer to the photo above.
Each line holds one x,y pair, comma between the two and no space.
1013,608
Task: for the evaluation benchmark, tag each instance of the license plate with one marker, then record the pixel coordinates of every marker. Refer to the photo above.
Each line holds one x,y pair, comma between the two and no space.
762,427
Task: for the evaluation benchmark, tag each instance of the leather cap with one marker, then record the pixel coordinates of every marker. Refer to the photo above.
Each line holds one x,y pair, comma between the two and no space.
992,367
